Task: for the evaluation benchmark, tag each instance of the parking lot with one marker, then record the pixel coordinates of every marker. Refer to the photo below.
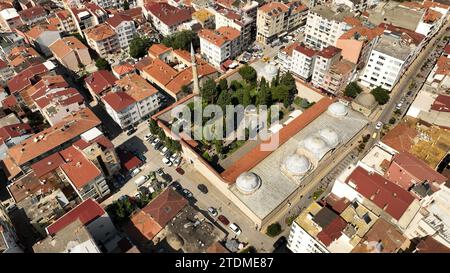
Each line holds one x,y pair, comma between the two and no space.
190,181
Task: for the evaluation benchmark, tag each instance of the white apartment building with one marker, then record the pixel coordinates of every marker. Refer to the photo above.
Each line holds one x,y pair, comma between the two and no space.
133,99
166,18
324,26
220,45
109,4
243,23
387,61
124,27
103,39
354,5
303,59
322,63
88,16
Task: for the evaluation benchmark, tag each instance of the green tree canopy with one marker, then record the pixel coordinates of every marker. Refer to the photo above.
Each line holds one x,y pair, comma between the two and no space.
381,95
280,93
182,40
139,47
223,85
247,98
102,64
273,229
263,96
224,99
352,90
208,91
126,5
248,73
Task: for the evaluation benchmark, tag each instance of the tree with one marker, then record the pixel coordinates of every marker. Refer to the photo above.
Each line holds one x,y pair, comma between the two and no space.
392,120
208,91
275,80
182,40
185,89
153,126
280,93
288,80
235,85
381,95
206,156
102,64
223,85
352,90
126,5
224,99
273,229
218,146
263,96
139,46
248,73
247,98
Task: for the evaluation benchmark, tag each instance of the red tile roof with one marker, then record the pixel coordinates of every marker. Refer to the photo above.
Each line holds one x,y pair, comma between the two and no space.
332,232
118,100
166,206
430,245
400,137
48,164
9,102
256,155
157,49
128,160
142,227
100,80
36,11
168,14
23,79
14,130
117,19
441,104
305,50
329,52
86,212
384,193
443,66
78,168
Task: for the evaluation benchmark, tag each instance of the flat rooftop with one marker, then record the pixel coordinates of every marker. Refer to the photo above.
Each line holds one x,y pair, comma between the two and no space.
330,14
376,159
392,13
276,186
393,46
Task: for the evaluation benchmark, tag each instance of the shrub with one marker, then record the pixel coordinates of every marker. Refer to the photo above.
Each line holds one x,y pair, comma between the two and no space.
274,229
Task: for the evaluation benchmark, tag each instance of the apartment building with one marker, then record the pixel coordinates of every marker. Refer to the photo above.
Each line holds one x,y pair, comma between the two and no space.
354,5
71,53
133,99
113,4
124,26
66,21
220,45
325,25
42,36
8,237
88,16
387,61
205,18
33,15
275,18
6,72
322,64
338,76
10,19
243,23
166,18
100,83
303,60
103,39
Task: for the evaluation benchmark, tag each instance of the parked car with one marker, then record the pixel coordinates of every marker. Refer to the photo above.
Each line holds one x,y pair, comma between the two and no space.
163,150
158,145
135,172
167,178
281,241
212,211
173,157
176,186
179,170
399,106
156,141
223,220
202,188
236,230
160,172
131,131
187,193
379,125
148,136
166,161
177,161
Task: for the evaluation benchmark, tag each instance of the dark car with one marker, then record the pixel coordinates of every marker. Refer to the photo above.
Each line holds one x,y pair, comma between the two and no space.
202,188
167,178
131,131
223,220
176,186
179,170
281,241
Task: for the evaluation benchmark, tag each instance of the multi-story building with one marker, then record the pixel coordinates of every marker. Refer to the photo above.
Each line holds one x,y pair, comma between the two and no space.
245,24
42,36
33,15
322,64
6,72
113,4
103,39
205,18
71,53
124,26
220,45
133,100
10,19
166,18
338,76
387,61
88,16
303,59
324,26
8,237
100,83
275,18
9,41
66,21
354,5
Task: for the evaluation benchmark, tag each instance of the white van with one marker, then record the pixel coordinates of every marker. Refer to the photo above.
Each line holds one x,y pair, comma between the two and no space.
140,180
235,229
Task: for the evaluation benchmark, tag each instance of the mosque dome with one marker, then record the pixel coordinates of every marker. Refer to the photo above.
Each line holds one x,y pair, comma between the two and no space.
248,182
366,99
315,144
337,109
330,136
297,164
271,70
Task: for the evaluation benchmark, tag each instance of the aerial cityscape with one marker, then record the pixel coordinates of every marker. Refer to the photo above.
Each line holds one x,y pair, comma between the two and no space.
224,126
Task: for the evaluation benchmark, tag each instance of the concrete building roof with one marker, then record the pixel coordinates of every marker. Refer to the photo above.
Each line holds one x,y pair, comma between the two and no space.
394,47
276,185
330,14
393,13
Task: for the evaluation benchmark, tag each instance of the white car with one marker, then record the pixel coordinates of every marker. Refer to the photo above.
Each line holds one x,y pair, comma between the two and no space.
173,157
379,125
399,106
163,150
236,230
167,161
156,141
135,172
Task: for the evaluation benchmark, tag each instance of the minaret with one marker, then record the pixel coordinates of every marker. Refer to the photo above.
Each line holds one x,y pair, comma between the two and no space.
196,89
